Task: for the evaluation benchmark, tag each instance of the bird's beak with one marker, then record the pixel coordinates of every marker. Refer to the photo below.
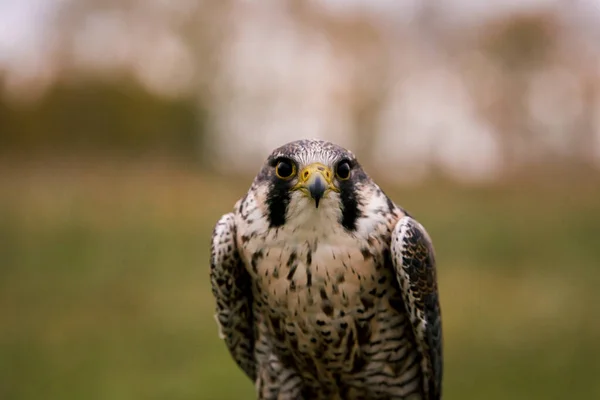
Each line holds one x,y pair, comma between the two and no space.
315,180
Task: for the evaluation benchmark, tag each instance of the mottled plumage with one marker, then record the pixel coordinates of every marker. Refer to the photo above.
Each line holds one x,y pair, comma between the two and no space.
325,289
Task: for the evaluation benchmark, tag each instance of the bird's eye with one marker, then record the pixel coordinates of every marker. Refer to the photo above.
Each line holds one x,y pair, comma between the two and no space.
343,170
285,169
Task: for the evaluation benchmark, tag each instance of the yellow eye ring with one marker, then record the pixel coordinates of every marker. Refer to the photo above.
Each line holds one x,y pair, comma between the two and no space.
342,170
285,169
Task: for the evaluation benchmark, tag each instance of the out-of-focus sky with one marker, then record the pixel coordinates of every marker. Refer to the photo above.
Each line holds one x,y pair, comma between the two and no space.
22,27
23,22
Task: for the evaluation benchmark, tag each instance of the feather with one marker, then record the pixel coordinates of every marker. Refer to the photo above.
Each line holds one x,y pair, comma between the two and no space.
233,294
414,262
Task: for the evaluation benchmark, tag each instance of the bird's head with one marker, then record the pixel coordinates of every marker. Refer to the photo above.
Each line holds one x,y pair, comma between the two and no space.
309,180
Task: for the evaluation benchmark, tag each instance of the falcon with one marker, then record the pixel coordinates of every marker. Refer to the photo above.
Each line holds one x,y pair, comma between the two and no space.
324,287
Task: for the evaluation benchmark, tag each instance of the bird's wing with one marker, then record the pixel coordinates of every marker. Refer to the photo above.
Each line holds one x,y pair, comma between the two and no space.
414,262
231,287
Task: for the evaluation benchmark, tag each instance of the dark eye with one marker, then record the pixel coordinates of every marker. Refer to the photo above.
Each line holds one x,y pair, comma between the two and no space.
285,169
343,170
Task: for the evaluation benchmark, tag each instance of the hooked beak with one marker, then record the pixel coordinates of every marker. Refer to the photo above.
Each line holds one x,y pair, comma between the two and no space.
315,180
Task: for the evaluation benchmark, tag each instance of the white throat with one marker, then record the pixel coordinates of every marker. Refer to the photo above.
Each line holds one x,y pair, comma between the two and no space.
305,219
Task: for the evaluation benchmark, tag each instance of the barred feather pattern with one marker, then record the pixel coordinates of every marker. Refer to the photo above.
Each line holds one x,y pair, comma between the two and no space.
315,305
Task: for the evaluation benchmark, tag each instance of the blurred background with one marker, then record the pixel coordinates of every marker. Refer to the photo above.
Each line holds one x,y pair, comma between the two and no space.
128,127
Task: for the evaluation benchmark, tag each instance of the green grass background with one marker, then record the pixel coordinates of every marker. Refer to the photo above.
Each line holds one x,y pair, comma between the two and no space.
104,290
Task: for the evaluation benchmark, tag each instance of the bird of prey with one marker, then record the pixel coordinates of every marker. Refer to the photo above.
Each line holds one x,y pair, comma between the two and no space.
324,287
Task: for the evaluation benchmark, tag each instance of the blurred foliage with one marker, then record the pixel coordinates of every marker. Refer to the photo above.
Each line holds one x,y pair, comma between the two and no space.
521,42
116,115
104,290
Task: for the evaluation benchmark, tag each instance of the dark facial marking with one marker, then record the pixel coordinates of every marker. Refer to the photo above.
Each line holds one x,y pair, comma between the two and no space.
350,211
278,197
348,195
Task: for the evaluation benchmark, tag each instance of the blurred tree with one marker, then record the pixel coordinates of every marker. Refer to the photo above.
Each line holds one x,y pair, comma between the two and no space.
519,45
91,115
115,83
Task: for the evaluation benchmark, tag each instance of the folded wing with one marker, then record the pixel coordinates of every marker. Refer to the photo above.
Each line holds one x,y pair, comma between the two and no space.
414,262
231,287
